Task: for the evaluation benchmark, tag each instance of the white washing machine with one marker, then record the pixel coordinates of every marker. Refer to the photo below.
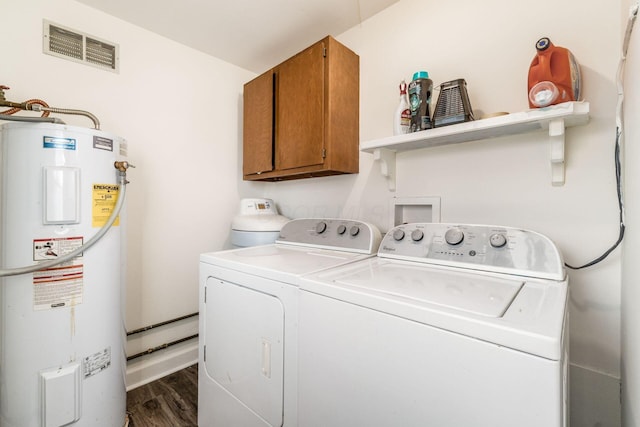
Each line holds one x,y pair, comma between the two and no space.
247,373
450,326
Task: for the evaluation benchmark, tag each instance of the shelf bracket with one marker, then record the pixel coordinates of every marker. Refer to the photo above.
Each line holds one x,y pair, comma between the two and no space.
556,140
387,159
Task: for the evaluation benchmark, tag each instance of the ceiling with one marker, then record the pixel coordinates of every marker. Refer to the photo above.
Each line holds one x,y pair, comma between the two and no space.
252,34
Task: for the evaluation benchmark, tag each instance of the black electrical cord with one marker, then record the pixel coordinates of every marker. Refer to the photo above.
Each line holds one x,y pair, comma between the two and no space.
620,207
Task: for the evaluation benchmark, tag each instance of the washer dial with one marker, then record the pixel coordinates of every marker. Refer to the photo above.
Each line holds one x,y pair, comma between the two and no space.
498,240
454,236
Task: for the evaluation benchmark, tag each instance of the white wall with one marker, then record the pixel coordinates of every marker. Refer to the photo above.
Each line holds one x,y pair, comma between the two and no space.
506,180
631,270
179,110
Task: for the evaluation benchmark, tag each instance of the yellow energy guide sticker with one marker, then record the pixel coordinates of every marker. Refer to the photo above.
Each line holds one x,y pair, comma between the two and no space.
104,201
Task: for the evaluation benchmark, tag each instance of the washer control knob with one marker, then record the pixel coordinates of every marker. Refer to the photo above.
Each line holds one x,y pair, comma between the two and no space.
498,240
454,236
417,235
321,227
342,229
398,235
354,230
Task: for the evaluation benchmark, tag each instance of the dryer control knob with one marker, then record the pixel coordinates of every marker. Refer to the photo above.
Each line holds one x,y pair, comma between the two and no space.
321,227
354,230
417,235
398,235
454,236
342,229
498,240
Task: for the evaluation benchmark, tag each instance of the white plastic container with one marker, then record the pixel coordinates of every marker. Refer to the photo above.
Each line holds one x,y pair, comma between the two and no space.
62,359
257,223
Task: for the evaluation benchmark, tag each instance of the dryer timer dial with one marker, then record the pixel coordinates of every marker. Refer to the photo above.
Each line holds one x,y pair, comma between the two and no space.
417,235
398,235
321,227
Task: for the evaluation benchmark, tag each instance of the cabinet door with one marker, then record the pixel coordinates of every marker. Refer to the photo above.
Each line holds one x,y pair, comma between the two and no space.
300,87
258,125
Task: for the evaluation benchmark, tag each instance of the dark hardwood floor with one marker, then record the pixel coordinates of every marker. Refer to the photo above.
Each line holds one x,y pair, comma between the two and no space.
171,401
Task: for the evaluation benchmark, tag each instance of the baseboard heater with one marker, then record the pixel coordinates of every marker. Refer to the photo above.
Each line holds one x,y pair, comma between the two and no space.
162,346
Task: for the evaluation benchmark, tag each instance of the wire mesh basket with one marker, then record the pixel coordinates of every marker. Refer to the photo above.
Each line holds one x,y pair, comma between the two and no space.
453,104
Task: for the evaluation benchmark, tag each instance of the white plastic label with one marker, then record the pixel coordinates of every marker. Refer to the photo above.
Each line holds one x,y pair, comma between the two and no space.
61,195
97,362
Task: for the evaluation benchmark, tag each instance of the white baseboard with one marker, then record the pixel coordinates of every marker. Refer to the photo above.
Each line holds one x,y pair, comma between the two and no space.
160,364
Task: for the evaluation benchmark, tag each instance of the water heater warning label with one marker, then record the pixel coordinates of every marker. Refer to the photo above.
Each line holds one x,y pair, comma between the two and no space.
104,201
58,287
46,249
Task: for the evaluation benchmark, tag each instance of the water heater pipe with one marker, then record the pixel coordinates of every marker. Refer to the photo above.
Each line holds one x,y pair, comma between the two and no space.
122,181
94,119
41,106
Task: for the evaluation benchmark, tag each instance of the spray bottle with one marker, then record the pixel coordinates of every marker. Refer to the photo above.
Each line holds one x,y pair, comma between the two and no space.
402,118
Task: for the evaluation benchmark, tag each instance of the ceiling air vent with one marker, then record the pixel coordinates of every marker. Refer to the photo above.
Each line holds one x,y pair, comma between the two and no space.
79,47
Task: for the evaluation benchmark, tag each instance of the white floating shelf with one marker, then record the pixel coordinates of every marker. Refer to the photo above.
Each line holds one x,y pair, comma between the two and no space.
555,119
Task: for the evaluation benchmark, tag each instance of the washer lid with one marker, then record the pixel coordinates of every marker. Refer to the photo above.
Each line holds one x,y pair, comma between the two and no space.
473,293
533,310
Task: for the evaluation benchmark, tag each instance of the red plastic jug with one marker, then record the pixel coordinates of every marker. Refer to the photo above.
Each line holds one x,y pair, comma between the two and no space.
554,75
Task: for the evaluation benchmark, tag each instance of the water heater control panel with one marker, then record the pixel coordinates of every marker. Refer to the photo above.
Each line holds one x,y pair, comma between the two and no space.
479,247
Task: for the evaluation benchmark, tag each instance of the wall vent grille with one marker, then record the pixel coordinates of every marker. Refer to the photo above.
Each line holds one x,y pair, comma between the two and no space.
79,47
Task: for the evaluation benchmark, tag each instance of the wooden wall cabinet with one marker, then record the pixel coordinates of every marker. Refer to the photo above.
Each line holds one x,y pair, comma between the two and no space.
301,118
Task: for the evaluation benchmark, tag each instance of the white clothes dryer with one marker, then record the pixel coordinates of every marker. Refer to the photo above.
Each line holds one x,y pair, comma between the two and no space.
247,373
450,326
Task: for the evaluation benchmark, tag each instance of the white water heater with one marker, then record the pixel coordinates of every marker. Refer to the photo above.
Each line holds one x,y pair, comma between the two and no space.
62,359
